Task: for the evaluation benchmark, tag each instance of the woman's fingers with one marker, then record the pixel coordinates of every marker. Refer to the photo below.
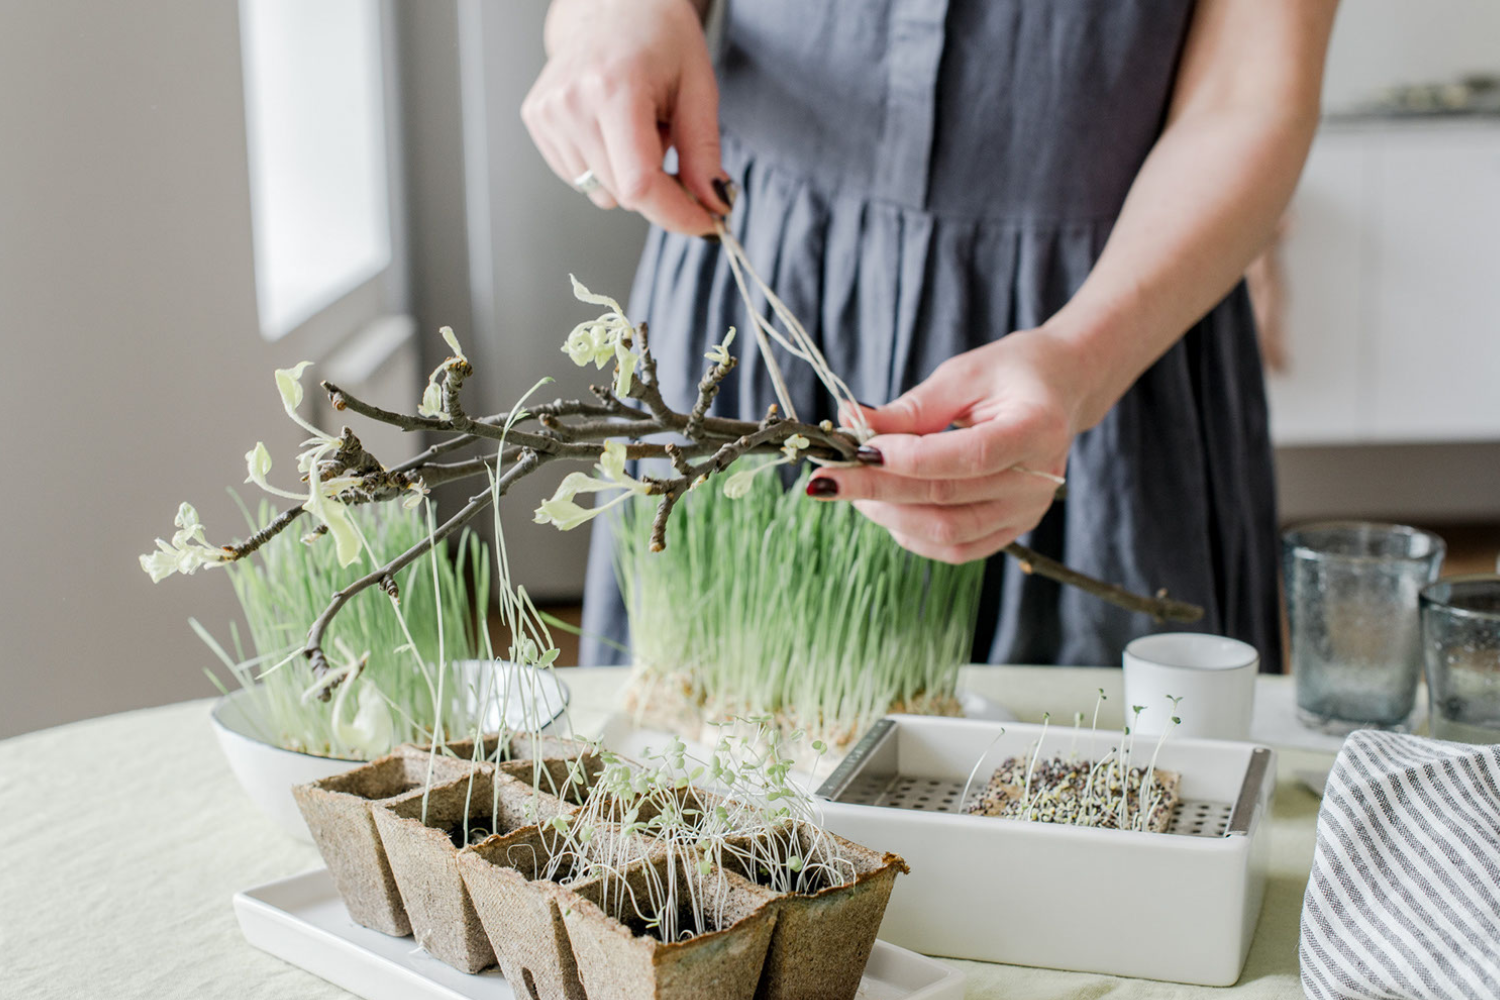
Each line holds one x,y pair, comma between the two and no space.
576,162
930,405
942,526
621,83
563,126
695,135
965,453
592,155
634,147
877,484
961,553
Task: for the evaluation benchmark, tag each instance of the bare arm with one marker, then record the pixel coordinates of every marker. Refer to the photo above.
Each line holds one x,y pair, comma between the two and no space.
1204,203
1209,196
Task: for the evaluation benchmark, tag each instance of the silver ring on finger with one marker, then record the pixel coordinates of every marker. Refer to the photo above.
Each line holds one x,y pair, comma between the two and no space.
586,182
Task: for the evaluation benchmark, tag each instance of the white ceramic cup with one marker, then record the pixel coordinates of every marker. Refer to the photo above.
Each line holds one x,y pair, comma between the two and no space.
1213,676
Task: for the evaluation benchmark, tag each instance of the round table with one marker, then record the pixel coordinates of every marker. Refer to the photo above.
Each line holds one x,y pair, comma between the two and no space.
123,838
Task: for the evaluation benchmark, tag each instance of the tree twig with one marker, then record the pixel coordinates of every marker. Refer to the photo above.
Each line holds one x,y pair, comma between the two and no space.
526,464
574,430
1161,607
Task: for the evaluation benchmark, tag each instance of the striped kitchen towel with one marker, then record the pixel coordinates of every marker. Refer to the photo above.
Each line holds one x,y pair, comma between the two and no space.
1404,899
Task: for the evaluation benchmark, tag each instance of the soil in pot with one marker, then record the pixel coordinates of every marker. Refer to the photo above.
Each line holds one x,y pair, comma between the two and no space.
620,951
421,832
337,812
825,928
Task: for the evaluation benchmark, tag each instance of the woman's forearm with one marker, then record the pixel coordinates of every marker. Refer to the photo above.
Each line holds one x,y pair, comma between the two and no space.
1209,194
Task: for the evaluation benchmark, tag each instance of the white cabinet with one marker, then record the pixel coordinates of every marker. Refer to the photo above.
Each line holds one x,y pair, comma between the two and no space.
1316,395
1392,265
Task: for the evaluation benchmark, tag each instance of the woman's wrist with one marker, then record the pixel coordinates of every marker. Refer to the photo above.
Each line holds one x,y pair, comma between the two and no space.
1110,342
1084,369
563,15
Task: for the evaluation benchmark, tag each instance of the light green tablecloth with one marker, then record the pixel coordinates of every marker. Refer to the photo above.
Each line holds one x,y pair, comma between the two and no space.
123,838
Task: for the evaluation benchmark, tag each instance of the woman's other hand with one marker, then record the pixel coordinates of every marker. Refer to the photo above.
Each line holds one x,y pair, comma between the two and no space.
959,495
625,80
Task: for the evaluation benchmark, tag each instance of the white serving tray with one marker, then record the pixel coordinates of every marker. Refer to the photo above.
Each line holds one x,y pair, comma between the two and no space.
302,920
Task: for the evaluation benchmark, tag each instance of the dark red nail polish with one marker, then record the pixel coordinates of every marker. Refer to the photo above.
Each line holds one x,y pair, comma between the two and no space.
822,487
868,406
711,238
869,456
726,189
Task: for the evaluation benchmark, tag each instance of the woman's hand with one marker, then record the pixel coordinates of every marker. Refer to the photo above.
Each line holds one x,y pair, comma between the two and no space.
958,495
624,80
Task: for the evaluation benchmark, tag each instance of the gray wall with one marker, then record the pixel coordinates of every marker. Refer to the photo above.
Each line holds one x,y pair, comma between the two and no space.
133,369
539,230
133,373
494,237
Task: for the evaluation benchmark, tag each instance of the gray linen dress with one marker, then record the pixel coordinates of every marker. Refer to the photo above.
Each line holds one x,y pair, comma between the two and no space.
919,177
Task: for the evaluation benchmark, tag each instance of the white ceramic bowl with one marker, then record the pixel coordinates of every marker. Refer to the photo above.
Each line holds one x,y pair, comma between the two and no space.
268,772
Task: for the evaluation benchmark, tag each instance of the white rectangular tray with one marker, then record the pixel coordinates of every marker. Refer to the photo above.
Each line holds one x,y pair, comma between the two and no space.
1180,906
302,920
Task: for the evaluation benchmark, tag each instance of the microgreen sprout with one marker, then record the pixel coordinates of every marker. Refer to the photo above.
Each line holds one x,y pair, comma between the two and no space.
1110,792
1148,785
1026,796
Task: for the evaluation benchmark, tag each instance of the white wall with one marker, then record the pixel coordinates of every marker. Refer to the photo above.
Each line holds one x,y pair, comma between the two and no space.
132,370
1382,43
1379,44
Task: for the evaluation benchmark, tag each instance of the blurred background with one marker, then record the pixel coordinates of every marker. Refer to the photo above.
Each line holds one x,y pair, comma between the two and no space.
194,192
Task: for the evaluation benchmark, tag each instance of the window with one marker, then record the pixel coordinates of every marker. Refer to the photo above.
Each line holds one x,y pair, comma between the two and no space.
316,128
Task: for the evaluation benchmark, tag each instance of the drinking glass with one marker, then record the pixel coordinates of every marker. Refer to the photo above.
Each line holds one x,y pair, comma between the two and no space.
1351,600
1461,646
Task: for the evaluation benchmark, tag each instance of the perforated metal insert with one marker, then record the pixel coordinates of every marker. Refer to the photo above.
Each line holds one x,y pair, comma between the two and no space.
928,794
1193,818
1190,818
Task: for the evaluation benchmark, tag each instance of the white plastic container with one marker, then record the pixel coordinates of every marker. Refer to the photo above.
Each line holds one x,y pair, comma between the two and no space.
1179,906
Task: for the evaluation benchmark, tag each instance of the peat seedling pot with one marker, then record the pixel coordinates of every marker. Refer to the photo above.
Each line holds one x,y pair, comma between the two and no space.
424,855
620,957
337,812
824,935
522,918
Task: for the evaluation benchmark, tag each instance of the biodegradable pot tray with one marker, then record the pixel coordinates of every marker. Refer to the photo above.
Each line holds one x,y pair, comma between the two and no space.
301,920
1179,906
337,812
424,856
523,920
620,959
823,938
